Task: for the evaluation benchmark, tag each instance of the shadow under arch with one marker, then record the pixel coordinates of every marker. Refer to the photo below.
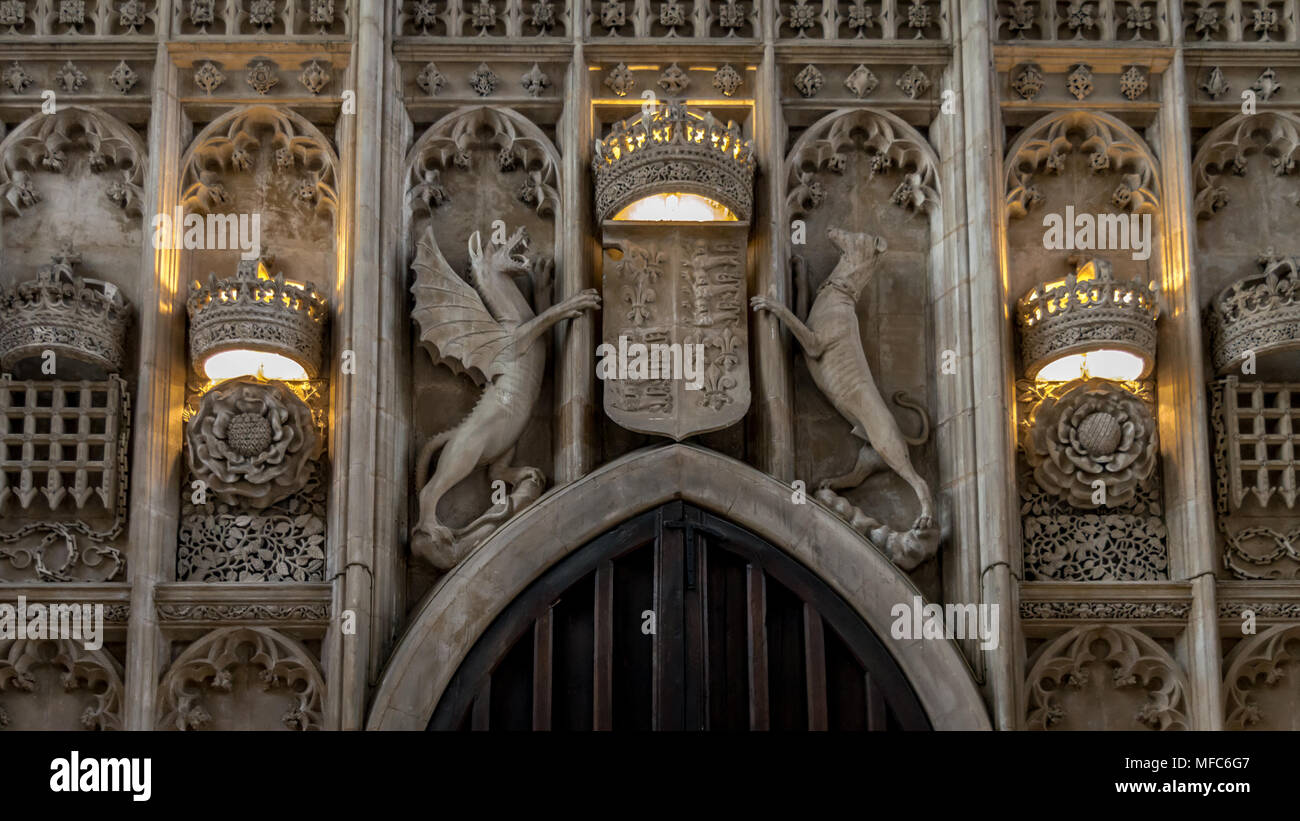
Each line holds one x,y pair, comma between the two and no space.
464,604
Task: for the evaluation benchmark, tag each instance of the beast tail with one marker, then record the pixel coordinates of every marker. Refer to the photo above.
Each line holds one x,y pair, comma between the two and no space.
900,399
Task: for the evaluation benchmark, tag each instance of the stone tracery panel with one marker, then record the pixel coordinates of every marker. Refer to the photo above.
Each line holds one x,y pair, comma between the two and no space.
58,684
1105,677
1259,682
242,678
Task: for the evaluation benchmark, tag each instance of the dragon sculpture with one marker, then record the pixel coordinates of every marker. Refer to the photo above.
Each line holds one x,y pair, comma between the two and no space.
486,329
832,345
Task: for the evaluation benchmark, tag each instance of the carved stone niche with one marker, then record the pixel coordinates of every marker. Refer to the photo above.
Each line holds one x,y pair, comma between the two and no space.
674,192
1105,677
267,164
58,685
1261,682
242,678
475,166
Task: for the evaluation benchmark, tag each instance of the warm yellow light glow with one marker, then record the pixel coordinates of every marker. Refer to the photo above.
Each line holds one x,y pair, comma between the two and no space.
676,208
1120,366
231,364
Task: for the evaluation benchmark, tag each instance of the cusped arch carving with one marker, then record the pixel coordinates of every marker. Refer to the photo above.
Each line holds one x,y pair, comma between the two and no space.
465,602
42,141
227,144
1259,662
520,145
93,671
1111,145
1227,148
283,664
1135,660
890,144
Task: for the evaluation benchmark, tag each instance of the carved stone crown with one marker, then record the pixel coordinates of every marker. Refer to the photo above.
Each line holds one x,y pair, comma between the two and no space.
255,312
1259,314
1088,310
83,319
677,150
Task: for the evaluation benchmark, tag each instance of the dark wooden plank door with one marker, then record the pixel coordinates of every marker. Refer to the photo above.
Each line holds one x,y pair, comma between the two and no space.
679,620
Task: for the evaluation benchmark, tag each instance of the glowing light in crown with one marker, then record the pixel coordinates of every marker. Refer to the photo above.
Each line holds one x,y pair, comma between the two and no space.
676,208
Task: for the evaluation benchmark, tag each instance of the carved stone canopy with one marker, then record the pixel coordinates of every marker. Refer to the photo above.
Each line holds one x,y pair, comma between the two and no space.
674,150
84,320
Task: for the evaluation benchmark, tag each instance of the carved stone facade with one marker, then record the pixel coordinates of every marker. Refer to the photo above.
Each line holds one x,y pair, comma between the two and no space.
320,324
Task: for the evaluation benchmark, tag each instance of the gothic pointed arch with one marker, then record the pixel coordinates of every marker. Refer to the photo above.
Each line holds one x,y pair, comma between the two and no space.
464,604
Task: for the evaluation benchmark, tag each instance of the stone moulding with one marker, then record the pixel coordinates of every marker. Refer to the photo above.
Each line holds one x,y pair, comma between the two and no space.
1087,314
1229,147
889,144
1256,315
44,142
1113,147
247,312
80,318
1103,610
676,150
283,666
92,671
1134,659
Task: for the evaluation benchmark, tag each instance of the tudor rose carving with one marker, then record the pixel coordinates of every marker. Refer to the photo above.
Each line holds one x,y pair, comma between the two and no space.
484,328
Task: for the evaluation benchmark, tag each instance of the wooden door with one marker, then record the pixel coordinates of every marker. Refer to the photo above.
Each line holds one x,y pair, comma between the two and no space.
678,619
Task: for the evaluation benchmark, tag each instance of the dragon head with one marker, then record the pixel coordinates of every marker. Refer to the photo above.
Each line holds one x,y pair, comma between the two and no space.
505,258
858,253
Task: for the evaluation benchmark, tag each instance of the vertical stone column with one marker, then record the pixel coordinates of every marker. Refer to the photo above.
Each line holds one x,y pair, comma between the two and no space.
362,507
159,397
773,393
990,357
1180,371
575,427
954,425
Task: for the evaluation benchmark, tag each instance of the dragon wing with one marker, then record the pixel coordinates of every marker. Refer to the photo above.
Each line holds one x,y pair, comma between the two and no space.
455,327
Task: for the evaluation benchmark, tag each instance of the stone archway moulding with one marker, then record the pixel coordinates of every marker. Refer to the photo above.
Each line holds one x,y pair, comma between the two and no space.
466,601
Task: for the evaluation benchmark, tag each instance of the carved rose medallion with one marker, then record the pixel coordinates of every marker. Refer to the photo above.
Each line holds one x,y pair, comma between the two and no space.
676,355
252,442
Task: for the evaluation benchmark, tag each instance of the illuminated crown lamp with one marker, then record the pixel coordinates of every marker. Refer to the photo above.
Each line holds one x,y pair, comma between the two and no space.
1258,315
676,165
82,321
1088,325
256,325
